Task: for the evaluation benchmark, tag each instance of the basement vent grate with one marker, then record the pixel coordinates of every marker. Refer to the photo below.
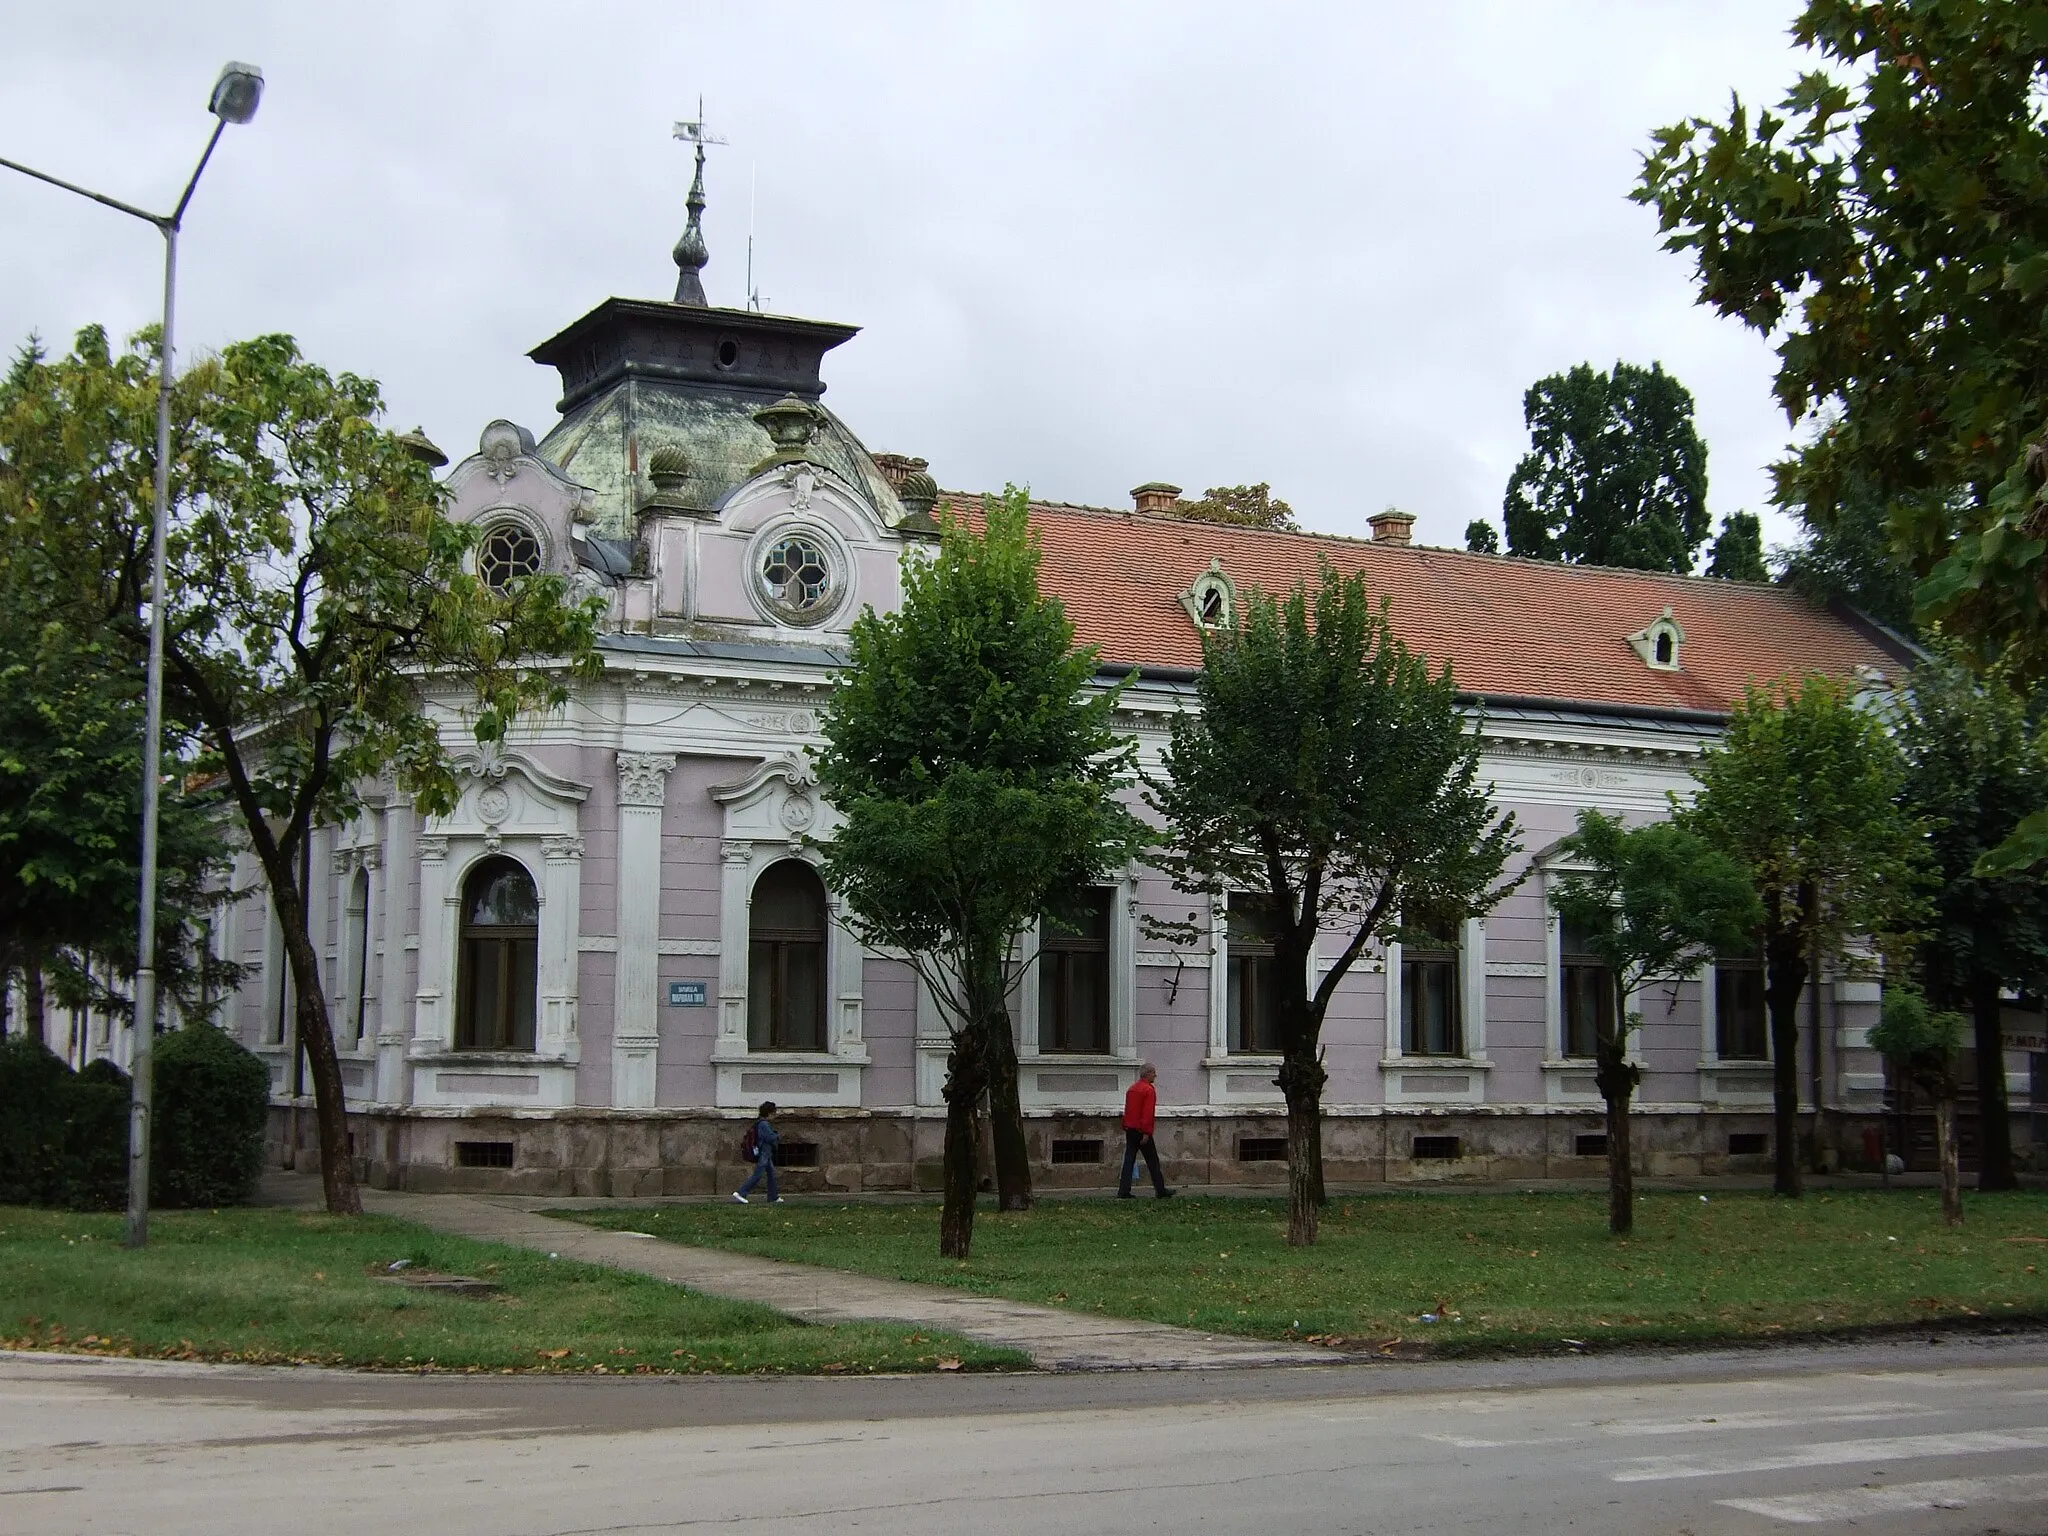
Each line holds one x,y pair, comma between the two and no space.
1076,1150
1748,1143
1262,1149
797,1154
483,1154
1440,1148
1593,1144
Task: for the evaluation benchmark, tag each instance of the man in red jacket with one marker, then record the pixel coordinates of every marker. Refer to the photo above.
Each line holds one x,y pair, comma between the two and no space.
1141,1106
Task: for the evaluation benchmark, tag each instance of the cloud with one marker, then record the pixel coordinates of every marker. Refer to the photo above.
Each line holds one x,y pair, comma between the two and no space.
1323,246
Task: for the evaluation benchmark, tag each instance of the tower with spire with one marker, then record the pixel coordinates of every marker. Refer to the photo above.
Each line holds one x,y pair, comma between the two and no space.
691,253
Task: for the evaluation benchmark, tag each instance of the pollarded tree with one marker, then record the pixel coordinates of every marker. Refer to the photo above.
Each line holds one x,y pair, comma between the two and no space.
317,591
980,777
1482,538
1657,902
1921,1046
1975,766
1615,473
1804,792
1326,770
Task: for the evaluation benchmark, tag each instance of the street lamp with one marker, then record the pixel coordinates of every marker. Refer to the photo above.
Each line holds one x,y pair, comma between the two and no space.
234,99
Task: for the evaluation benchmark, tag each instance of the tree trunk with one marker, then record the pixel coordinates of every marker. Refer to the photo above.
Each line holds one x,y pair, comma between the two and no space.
1994,1122
966,1078
1006,1115
35,1006
1301,1079
1784,979
1951,1162
1617,1077
316,1039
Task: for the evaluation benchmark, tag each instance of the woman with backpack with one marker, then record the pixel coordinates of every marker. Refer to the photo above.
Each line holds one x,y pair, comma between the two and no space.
759,1145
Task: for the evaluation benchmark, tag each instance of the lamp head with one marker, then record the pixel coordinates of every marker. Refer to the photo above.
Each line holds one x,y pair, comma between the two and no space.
236,93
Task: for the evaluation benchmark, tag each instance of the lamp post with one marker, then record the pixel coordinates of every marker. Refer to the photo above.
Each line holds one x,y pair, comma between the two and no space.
234,99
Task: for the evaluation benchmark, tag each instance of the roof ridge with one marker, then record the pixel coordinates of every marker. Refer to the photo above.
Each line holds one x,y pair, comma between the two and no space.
1366,541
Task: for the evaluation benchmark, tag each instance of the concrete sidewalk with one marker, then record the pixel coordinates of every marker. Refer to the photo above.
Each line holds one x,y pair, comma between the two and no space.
1055,1339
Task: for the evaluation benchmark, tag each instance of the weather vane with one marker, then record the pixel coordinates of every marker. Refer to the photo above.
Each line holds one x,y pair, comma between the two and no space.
691,253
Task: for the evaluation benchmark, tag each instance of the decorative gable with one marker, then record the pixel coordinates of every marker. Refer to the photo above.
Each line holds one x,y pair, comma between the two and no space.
1211,599
1659,643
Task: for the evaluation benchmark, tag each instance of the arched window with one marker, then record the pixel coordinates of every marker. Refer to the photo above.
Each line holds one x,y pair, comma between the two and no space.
359,950
786,960
500,959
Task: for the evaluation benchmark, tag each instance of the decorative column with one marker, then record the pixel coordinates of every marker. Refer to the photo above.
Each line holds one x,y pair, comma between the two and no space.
394,1023
561,911
643,788
434,1021
735,905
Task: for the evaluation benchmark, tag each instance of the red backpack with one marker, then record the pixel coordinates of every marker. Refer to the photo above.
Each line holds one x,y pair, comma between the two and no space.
750,1145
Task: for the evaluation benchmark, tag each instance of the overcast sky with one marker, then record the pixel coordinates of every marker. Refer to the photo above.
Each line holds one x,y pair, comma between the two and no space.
1326,246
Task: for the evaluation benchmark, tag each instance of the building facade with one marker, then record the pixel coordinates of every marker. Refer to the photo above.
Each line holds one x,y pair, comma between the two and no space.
583,978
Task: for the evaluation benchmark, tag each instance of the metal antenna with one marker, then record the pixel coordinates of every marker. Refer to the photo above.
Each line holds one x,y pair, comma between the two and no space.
691,253
753,198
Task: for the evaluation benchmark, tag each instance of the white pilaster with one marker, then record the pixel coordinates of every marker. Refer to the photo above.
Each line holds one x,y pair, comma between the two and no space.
394,1022
643,789
560,938
433,1020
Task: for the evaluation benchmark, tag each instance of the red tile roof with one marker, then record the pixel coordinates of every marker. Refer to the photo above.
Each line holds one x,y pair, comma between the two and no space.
1506,626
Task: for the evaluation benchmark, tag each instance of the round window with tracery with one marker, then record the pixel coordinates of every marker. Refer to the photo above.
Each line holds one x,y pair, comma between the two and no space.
796,574
507,553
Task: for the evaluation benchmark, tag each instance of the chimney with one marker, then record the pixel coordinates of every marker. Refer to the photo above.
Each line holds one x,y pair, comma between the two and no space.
898,467
1156,498
1392,526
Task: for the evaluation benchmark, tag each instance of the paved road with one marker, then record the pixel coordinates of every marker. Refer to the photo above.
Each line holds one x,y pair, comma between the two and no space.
1915,1438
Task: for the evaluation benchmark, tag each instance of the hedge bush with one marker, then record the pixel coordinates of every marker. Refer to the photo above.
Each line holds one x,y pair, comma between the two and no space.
212,1103
35,1097
64,1134
96,1146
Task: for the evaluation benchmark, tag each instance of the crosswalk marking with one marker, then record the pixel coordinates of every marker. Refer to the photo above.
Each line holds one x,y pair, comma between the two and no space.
1834,1453
1854,1503
1776,1420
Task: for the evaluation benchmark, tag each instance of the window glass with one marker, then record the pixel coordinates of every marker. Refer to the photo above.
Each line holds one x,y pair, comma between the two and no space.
1073,977
1431,1024
796,573
359,945
497,981
1741,1029
1252,979
786,960
507,553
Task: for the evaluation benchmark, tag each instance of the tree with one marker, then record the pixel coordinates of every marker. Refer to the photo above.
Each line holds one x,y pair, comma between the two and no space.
1804,792
1657,902
1921,1047
1242,506
71,797
1887,226
318,594
1975,765
1325,769
979,774
1615,473
1482,538
1848,558
1738,553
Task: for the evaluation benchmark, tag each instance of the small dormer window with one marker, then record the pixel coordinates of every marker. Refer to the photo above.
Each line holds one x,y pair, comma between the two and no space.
1212,600
1660,643
509,552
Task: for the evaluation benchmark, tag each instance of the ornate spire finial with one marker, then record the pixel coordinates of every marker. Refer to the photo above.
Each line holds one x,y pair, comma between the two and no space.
691,253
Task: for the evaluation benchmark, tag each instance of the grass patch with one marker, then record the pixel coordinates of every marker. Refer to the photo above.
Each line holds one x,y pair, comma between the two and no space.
1495,1272
286,1287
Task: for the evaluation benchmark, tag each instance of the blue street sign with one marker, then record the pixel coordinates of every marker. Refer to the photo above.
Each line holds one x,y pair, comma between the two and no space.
687,994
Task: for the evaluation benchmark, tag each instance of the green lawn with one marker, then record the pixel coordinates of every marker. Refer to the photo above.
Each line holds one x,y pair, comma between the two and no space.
1451,1272
276,1287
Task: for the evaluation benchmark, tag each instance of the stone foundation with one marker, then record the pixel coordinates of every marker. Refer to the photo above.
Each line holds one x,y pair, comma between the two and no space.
635,1154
